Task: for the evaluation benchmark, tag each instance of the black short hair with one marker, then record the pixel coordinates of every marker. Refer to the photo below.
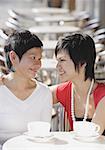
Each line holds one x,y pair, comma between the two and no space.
20,41
81,49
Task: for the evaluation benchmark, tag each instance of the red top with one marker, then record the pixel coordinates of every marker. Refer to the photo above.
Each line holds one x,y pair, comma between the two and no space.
63,94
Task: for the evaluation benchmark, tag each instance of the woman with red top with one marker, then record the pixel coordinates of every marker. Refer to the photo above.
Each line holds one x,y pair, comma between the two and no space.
76,56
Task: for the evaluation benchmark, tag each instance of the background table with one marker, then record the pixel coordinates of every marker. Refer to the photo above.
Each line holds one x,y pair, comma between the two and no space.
52,11
60,141
53,29
55,18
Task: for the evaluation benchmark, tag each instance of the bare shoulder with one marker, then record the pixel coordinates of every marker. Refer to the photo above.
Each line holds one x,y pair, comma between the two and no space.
99,112
53,88
102,102
101,105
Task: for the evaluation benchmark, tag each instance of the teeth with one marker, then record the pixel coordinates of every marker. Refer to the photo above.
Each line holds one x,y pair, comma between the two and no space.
61,73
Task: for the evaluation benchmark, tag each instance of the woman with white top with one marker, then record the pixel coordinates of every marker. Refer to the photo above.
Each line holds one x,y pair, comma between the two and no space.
22,98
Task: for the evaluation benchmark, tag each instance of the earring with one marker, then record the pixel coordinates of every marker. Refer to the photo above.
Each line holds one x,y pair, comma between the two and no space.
13,69
85,65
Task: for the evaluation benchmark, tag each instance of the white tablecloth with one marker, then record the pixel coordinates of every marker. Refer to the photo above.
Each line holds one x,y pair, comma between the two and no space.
60,141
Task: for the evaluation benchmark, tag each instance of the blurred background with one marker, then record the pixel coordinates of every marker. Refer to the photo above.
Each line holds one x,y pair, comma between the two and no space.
96,8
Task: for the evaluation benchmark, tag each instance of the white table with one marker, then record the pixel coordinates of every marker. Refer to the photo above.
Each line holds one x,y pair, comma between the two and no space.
53,29
60,141
55,18
51,11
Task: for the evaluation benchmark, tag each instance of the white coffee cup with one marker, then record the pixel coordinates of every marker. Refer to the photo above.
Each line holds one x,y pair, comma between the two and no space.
39,128
85,128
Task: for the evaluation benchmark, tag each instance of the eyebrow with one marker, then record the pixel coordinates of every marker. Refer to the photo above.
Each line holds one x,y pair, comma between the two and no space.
31,53
62,56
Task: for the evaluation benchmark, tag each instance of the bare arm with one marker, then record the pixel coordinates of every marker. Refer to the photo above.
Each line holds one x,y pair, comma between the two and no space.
53,90
1,80
99,114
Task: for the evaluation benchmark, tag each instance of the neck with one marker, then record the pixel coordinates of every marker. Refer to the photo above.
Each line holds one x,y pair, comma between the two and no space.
82,87
19,82
87,99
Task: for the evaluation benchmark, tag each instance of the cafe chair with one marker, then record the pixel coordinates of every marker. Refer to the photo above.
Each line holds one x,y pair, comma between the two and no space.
99,47
93,21
100,39
13,25
99,32
60,120
14,21
61,123
83,18
25,20
14,14
91,29
3,68
93,26
3,34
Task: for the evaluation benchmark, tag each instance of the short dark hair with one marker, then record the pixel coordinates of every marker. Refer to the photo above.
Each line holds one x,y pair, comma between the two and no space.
20,41
81,49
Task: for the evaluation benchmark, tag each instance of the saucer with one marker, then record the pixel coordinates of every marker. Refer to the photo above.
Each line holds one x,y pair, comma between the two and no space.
48,134
86,138
86,135
39,138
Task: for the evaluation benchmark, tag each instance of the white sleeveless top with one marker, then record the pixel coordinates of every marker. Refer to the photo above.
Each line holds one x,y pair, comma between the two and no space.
15,113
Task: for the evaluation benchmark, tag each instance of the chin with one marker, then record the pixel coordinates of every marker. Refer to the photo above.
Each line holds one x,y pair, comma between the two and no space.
64,80
32,76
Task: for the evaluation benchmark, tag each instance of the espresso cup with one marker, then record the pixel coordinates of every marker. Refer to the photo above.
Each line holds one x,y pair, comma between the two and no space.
39,128
86,129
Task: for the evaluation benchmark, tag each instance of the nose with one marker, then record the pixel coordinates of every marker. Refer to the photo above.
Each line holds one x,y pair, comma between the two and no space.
58,65
37,63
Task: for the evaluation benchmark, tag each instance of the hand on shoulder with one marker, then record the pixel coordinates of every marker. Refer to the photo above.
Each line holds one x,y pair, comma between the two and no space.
1,79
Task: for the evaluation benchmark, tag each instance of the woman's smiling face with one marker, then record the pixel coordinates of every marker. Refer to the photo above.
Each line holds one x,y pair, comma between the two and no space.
65,66
30,63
